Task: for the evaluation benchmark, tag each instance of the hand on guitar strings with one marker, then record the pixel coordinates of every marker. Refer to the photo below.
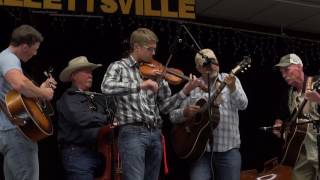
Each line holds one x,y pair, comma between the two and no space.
49,83
193,83
47,87
190,111
313,96
230,80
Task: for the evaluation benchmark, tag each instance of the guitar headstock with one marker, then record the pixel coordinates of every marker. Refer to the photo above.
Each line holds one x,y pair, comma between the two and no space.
242,66
48,73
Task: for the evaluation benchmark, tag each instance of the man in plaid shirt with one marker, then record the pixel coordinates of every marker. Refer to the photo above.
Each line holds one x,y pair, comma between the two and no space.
222,159
138,105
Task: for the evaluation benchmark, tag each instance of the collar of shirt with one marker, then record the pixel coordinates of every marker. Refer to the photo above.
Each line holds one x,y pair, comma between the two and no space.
133,62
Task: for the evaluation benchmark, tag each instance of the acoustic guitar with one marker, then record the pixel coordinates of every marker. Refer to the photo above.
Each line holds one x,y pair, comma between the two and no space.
294,131
31,115
190,137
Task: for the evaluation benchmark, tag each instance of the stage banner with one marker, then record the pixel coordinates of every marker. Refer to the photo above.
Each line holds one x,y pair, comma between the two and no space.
181,9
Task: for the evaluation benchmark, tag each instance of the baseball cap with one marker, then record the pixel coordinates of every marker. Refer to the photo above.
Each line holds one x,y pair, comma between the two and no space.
288,60
199,60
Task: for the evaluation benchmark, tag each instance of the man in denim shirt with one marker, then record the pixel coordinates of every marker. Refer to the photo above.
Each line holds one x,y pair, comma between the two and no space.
81,118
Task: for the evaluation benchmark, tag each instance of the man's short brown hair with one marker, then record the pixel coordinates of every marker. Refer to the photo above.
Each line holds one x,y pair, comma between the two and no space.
142,36
25,34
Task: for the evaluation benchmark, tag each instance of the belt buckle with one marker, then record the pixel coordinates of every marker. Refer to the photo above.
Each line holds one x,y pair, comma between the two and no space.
148,125
151,125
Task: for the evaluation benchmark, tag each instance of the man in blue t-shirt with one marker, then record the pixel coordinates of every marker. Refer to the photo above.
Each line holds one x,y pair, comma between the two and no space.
20,154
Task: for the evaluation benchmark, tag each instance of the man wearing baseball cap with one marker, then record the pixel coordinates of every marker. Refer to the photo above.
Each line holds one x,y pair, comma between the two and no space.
305,166
221,153
80,120
289,59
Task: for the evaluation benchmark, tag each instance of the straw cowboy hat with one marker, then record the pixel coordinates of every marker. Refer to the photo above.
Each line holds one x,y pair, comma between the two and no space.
76,64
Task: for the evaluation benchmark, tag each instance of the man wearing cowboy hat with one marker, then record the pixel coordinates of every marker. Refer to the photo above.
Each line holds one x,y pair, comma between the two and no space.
80,119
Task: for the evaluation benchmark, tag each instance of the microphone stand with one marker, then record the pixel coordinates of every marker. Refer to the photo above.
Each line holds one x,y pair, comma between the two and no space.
206,63
207,59
209,80
217,92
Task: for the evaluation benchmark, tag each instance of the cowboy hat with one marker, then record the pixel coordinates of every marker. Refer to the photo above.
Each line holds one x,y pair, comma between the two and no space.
76,64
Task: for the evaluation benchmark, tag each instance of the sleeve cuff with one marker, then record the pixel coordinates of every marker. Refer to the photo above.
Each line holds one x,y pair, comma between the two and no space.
179,118
182,95
235,93
135,87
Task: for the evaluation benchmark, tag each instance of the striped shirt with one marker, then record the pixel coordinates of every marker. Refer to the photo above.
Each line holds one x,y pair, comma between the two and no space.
226,135
122,80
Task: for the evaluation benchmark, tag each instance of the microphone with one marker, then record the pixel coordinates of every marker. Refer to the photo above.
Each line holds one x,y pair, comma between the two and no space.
269,128
177,41
209,61
206,62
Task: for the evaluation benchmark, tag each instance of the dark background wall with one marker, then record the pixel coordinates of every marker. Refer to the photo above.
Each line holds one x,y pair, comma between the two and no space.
104,39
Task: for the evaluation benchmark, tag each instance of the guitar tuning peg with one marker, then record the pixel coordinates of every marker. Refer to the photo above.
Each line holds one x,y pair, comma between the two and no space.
50,70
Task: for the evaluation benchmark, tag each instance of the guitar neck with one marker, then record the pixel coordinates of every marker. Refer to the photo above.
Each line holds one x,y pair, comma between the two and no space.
298,111
214,97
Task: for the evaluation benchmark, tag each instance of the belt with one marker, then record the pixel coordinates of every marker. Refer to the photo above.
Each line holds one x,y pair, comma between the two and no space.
150,125
76,146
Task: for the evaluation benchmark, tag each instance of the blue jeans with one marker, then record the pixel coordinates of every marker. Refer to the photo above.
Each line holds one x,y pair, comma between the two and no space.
20,156
220,166
81,163
140,151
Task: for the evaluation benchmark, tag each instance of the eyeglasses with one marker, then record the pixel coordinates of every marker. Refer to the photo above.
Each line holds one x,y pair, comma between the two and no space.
151,49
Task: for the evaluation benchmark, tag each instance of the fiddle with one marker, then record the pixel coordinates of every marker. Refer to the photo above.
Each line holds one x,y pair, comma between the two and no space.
154,70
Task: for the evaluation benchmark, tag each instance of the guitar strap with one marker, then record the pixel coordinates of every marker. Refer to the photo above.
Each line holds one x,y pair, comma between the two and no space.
215,109
297,103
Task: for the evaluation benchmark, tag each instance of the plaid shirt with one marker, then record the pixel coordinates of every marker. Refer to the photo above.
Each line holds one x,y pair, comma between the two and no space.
122,80
226,135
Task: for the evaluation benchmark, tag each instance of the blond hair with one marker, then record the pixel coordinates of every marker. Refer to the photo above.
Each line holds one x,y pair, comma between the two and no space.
142,36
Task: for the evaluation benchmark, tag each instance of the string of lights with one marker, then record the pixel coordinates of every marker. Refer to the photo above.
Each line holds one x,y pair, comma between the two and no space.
265,48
